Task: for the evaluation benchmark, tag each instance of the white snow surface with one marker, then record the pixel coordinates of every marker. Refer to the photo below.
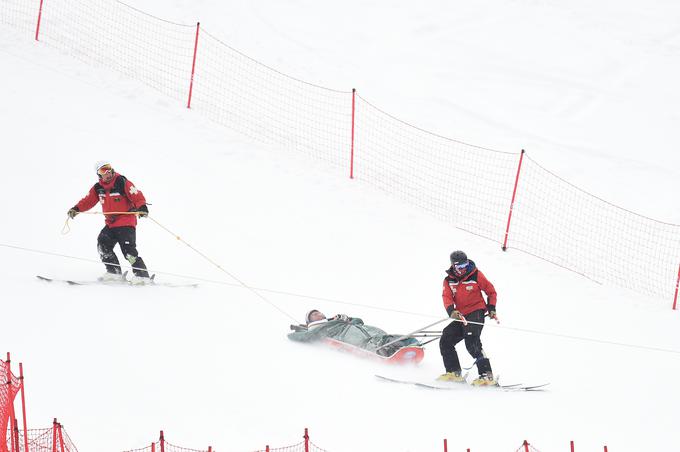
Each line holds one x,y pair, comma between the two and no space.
590,89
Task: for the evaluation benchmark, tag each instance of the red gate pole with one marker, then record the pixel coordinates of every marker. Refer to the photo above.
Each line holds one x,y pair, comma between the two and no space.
61,438
37,27
54,435
162,440
512,202
193,65
526,446
351,159
153,447
10,402
446,446
267,447
306,440
605,448
23,405
677,283
209,448
572,446
16,436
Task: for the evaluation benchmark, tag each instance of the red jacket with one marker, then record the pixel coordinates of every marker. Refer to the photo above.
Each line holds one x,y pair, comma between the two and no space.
118,195
465,294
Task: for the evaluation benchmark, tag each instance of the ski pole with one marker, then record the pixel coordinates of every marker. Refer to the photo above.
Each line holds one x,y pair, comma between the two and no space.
66,228
406,336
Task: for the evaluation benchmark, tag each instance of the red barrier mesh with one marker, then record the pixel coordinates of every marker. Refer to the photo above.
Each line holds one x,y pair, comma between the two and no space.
42,440
299,447
172,448
527,447
563,224
467,186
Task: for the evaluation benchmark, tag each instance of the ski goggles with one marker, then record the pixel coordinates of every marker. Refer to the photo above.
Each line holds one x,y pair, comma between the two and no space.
461,267
104,170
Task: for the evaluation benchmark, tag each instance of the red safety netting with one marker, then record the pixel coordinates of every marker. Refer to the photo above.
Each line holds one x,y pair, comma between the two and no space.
526,447
172,448
48,440
8,390
270,107
299,447
563,224
467,186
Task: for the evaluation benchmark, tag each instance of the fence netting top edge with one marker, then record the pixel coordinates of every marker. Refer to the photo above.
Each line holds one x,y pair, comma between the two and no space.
575,187
152,16
283,74
481,148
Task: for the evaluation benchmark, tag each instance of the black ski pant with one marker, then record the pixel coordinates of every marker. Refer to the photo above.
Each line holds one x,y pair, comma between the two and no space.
471,333
126,237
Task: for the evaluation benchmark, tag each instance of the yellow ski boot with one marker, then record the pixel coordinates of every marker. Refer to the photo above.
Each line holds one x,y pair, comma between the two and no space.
454,377
486,379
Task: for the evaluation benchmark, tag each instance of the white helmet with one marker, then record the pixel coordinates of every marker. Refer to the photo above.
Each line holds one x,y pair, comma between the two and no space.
101,163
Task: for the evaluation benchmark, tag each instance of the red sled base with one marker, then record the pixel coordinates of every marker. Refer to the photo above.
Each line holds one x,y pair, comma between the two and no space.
406,355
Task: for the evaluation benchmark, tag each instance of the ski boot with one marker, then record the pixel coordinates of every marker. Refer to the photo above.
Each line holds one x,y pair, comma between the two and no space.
453,377
111,277
485,379
137,280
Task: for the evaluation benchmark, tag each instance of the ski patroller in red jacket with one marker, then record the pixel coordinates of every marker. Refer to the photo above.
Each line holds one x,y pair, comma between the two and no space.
465,294
118,195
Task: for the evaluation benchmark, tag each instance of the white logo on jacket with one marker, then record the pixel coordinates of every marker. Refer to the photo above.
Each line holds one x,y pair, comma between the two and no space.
133,190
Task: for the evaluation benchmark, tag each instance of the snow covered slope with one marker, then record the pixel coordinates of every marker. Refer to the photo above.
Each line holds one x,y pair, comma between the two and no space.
212,365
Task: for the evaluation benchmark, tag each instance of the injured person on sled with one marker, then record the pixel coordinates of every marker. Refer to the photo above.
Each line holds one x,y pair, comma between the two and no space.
351,334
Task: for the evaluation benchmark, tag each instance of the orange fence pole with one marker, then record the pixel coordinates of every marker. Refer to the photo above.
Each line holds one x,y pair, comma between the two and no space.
23,405
54,435
61,438
512,202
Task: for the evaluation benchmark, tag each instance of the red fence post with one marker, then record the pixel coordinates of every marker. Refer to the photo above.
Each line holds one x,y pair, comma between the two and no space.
209,448
23,405
37,27
446,446
306,440
605,448
162,441
10,402
512,202
193,65
54,435
16,435
61,438
572,446
351,158
526,446
677,283
153,447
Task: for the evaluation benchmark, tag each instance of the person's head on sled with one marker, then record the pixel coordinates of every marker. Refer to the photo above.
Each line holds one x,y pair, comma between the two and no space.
315,318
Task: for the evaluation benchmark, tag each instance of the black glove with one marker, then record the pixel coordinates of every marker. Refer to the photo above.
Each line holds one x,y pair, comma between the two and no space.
142,210
72,212
455,315
492,312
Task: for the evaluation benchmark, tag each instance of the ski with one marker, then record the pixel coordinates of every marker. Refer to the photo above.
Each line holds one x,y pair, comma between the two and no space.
460,386
122,282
